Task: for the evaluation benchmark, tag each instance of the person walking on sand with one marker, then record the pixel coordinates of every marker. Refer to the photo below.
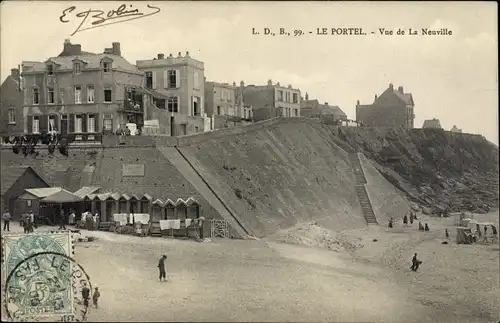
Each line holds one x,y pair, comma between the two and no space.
426,228
446,234
405,220
85,295
420,227
62,220
494,232
95,297
161,267
6,221
415,263
391,222
411,217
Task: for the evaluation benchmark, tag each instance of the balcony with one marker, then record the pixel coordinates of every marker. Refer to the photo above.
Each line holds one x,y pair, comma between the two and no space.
131,107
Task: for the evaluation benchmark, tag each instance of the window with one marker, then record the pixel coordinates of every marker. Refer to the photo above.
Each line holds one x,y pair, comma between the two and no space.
90,94
218,110
172,79
35,128
52,123
50,95
79,123
108,122
280,95
288,97
173,104
78,68
50,69
196,106
196,80
12,116
149,80
91,123
36,96
295,98
28,203
108,95
106,67
78,94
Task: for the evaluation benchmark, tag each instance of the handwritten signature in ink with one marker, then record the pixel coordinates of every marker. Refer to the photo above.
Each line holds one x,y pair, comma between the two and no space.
100,17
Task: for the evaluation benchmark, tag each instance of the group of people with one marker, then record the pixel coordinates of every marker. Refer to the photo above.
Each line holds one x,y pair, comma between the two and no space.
411,219
86,296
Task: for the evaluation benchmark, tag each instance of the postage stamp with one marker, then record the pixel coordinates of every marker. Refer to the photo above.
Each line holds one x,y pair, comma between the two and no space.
46,287
43,280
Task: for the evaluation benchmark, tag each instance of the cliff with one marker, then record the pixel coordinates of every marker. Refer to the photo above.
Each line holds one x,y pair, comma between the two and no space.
437,169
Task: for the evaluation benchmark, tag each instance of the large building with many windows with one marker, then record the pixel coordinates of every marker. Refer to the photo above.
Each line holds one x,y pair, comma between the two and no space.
79,92
177,83
271,100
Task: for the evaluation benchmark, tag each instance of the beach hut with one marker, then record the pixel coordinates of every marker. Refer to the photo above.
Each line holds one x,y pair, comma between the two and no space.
145,203
157,210
134,203
181,209
123,202
170,212
193,208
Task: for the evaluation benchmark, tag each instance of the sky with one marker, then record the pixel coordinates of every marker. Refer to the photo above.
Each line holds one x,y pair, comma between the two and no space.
453,78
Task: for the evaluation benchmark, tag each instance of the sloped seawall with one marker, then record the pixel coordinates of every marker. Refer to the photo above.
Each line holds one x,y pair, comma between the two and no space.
278,174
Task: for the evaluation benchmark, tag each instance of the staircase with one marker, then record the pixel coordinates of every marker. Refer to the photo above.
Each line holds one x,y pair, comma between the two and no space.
364,200
155,230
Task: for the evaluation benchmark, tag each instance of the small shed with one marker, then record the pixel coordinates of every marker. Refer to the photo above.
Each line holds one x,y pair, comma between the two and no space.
15,180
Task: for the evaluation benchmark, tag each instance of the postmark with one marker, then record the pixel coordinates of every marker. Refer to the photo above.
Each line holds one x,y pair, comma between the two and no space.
47,287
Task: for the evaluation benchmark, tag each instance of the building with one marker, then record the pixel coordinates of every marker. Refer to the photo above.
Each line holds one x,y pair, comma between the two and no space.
393,108
271,100
434,124
15,179
325,112
177,83
455,129
225,105
79,92
11,105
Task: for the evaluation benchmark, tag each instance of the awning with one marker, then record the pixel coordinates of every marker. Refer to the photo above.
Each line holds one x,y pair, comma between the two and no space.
39,193
63,196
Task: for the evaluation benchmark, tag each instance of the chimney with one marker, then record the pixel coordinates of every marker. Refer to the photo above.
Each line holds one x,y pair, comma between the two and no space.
116,49
15,74
187,54
242,84
269,82
67,45
391,86
234,84
278,84
357,103
376,97
289,86
326,103
401,90
307,96
77,49
170,55
179,55
161,56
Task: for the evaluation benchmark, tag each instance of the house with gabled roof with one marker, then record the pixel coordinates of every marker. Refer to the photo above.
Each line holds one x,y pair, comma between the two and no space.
82,93
325,112
393,108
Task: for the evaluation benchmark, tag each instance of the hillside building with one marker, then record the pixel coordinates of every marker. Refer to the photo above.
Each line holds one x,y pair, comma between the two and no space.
434,123
177,83
225,105
81,92
393,108
11,105
455,129
325,112
271,100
